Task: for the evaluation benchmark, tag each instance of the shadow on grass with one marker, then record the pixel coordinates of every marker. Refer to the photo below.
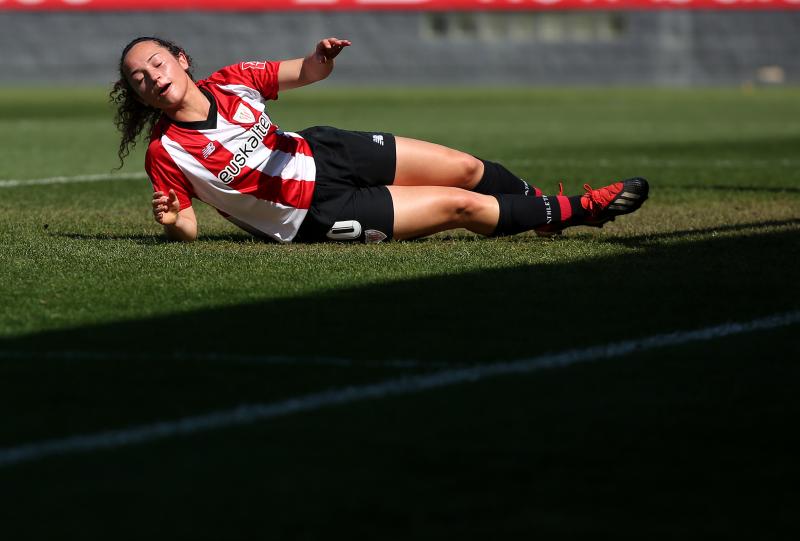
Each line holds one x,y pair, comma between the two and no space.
489,314
139,238
460,236
756,228
145,239
732,188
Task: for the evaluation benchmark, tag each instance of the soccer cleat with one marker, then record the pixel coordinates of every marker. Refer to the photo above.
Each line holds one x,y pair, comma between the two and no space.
605,204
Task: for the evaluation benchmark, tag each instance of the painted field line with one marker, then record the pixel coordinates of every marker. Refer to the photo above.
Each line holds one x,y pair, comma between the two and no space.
248,414
13,183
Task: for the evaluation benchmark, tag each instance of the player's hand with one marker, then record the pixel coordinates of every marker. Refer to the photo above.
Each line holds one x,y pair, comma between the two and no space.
329,48
166,207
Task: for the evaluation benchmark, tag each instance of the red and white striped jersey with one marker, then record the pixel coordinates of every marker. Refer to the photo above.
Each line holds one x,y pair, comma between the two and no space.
257,176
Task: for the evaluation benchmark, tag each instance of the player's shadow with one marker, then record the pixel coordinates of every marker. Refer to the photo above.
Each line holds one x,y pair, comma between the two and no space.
632,241
489,314
648,239
146,239
138,238
733,188
459,236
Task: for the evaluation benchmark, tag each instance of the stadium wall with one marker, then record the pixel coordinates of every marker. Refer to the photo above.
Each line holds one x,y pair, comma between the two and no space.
646,47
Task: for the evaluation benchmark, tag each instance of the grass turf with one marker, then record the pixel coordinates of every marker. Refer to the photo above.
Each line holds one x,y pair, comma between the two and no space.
657,442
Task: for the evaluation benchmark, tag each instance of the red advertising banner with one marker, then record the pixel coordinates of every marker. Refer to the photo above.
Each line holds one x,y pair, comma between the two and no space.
371,5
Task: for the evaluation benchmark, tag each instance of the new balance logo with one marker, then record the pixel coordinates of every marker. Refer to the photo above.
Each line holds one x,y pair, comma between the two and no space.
208,150
244,115
378,139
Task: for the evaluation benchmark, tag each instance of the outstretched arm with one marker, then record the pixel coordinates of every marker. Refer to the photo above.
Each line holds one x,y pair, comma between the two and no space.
179,224
315,67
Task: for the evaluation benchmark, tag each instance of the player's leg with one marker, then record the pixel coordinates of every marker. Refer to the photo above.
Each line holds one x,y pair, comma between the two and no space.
424,210
375,213
408,212
420,163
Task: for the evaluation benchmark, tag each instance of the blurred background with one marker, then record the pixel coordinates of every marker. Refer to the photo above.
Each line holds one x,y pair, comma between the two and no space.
426,42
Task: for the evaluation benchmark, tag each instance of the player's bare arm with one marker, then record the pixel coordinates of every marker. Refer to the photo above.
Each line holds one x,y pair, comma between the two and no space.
179,224
314,67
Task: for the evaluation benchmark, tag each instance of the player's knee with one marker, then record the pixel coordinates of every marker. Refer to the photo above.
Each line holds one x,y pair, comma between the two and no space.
470,171
463,207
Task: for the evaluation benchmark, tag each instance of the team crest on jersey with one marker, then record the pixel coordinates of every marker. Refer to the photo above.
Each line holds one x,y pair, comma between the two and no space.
244,115
254,65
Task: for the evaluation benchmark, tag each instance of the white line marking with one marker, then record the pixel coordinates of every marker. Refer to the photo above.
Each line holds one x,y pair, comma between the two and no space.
13,183
248,414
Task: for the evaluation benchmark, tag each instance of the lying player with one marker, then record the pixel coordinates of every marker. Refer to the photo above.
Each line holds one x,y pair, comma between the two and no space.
213,140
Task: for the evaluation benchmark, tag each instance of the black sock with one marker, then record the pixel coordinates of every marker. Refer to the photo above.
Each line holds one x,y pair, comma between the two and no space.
497,179
520,213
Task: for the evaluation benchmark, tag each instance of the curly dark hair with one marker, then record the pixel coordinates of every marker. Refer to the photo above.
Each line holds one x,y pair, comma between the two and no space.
133,116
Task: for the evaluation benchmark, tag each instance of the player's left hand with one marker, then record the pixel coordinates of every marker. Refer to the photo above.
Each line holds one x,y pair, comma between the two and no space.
166,207
329,48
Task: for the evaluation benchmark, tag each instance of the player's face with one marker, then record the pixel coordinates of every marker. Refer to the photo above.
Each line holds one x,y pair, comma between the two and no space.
159,79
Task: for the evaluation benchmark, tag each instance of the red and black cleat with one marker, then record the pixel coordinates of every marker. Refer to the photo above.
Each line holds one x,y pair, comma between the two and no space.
605,204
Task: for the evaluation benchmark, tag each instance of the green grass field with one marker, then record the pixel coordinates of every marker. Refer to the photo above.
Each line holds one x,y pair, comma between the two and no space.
105,326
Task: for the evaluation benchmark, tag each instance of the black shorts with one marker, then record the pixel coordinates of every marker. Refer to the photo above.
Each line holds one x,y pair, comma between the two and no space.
353,170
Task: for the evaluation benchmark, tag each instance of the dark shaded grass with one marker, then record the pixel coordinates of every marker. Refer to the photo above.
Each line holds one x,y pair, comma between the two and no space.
688,442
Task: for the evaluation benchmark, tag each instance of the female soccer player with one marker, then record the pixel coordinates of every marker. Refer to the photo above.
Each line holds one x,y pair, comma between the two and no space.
213,140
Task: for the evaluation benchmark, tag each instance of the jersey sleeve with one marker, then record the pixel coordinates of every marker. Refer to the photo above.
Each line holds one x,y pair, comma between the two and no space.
259,75
165,175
